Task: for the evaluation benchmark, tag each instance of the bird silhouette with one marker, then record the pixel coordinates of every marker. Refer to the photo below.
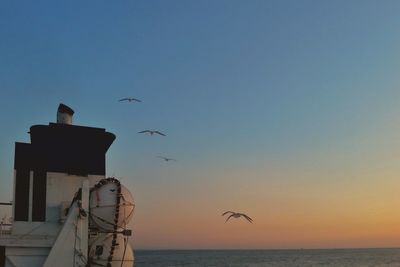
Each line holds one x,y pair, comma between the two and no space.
130,99
236,215
166,159
151,132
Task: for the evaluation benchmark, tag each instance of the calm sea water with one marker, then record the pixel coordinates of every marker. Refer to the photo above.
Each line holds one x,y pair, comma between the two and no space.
269,258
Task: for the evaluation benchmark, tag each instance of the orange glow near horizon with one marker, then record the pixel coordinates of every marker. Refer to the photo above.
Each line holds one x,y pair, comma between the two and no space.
287,214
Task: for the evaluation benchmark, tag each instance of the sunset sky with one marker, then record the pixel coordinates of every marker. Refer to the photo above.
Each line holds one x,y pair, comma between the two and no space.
285,110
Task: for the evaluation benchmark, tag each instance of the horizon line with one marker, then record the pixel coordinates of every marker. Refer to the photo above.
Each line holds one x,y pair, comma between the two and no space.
205,249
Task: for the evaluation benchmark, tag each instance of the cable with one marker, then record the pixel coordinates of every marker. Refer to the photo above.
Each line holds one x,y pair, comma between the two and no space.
123,255
76,234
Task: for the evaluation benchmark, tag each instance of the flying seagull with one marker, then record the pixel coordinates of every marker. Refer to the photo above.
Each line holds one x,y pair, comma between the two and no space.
237,215
151,132
167,159
130,99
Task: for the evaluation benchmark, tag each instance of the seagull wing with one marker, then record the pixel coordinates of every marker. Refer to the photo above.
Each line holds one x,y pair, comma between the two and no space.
229,217
247,217
226,212
135,99
160,133
145,131
124,99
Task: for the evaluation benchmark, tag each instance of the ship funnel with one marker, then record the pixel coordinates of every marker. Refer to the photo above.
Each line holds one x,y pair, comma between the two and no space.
64,114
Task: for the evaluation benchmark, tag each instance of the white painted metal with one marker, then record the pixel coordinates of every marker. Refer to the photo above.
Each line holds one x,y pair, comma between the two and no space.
122,252
84,222
103,206
64,244
17,256
64,118
61,188
71,243
64,206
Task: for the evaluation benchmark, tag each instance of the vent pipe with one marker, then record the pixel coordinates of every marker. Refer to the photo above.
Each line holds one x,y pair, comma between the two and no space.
64,114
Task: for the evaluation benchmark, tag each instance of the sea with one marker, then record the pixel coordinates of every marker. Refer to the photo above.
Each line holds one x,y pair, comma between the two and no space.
269,258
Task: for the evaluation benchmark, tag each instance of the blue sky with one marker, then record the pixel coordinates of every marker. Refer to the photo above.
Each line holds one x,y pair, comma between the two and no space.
310,86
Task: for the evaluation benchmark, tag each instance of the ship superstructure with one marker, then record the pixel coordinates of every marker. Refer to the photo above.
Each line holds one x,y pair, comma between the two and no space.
65,211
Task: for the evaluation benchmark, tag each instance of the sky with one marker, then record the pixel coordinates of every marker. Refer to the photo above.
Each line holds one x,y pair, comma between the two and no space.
285,110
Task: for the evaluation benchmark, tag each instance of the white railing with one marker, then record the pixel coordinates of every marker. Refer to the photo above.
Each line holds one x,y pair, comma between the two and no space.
5,221
5,228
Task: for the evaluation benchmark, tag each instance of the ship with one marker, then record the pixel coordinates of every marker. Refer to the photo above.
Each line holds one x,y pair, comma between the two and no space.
65,211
